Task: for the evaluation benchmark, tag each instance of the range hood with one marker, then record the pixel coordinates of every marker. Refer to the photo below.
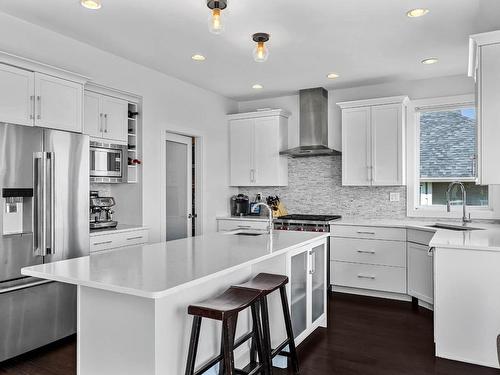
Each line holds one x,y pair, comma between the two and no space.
313,125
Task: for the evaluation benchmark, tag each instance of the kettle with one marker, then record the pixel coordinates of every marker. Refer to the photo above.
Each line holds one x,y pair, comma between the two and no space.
240,205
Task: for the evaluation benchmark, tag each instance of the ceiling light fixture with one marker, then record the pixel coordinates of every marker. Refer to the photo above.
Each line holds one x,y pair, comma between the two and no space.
418,12
91,4
429,61
261,52
198,57
215,24
332,75
257,86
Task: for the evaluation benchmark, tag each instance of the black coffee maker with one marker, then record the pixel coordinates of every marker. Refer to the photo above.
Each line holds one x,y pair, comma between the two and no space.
240,205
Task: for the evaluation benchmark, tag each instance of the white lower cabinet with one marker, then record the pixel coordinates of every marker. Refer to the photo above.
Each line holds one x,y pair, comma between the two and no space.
420,272
371,258
107,240
229,224
306,268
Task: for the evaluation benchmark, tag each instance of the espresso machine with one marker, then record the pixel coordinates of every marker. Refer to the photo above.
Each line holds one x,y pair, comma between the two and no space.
101,212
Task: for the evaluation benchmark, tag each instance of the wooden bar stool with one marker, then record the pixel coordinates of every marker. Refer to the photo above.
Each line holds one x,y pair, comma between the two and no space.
266,283
225,308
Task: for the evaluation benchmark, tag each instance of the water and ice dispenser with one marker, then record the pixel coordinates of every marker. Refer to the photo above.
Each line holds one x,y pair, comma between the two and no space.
16,210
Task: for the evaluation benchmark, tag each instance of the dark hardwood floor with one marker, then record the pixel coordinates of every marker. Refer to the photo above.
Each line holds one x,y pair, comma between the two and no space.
366,336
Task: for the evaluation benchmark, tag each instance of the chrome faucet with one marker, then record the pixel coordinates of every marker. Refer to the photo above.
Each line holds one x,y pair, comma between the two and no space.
270,213
465,219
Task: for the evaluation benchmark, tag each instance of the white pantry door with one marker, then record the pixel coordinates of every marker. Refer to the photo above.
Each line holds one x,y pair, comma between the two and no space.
179,169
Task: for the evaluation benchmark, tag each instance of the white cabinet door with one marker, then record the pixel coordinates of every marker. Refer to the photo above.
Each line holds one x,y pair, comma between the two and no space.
241,133
356,154
16,96
386,144
306,270
115,122
93,117
58,103
420,272
489,114
267,158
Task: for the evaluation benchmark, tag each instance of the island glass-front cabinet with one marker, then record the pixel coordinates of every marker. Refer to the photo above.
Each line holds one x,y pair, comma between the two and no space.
307,289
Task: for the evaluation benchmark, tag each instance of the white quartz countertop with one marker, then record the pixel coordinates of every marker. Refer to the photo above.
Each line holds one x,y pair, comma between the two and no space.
120,228
486,238
156,270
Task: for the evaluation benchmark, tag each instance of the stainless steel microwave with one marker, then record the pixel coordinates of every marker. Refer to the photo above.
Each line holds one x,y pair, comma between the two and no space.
108,162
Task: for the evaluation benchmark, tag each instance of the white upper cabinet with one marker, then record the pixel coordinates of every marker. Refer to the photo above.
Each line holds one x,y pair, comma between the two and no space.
105,117
373,135
36,99
484,57
115,113
58,103
16,95
256,138
92,124
356,146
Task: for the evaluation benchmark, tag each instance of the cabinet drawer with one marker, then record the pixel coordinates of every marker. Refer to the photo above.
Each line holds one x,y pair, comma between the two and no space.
355,250
379,233
114,240
366,276
422,237
226,225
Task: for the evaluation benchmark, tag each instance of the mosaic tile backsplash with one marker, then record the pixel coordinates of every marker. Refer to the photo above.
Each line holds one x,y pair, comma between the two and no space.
315,187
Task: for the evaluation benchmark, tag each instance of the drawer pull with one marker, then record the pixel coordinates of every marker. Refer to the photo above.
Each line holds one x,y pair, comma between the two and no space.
244,226
102,243
371,277
365,232
366,251
134,238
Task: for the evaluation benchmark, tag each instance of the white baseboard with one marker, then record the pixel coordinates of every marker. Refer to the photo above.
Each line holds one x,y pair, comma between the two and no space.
371,293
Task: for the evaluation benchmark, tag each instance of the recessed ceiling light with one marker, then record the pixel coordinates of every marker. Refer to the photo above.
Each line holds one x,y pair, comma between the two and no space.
429,61
257,86
418,12
198,57
332,75
91,4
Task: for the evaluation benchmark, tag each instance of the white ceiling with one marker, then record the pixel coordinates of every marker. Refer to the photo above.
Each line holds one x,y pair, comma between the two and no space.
365,41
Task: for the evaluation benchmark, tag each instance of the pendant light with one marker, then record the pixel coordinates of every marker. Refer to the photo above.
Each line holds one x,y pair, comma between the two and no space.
215,24
260,53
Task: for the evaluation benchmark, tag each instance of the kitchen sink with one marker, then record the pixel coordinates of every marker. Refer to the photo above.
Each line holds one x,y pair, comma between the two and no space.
459,228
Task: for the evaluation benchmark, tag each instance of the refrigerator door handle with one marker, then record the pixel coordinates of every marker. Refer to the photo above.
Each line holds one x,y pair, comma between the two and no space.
52,201
40,211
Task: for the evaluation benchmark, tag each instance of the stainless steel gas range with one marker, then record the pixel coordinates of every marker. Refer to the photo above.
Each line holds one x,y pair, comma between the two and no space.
305,223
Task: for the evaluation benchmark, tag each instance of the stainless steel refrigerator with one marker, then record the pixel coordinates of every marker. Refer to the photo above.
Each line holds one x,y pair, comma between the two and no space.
44,202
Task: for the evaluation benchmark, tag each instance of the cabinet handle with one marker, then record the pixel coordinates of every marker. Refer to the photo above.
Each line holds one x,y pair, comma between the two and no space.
102,243
134,238
244,226
100,122
252,175
313,262
366,251
105,123
32,107
365,232
371,277
39,100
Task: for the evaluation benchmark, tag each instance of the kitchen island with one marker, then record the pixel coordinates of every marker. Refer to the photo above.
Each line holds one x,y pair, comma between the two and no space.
132,302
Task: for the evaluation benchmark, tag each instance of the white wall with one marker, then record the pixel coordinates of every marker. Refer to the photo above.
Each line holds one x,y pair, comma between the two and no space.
168,103
426,88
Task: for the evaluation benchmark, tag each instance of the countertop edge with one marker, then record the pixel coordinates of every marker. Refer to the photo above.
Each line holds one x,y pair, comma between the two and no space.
160,294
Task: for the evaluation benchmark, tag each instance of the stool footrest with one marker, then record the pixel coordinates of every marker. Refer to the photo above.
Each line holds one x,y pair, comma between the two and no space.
217,359
280,348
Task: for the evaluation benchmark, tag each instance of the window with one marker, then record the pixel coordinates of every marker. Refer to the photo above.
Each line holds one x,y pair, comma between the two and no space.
441,148
447,149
